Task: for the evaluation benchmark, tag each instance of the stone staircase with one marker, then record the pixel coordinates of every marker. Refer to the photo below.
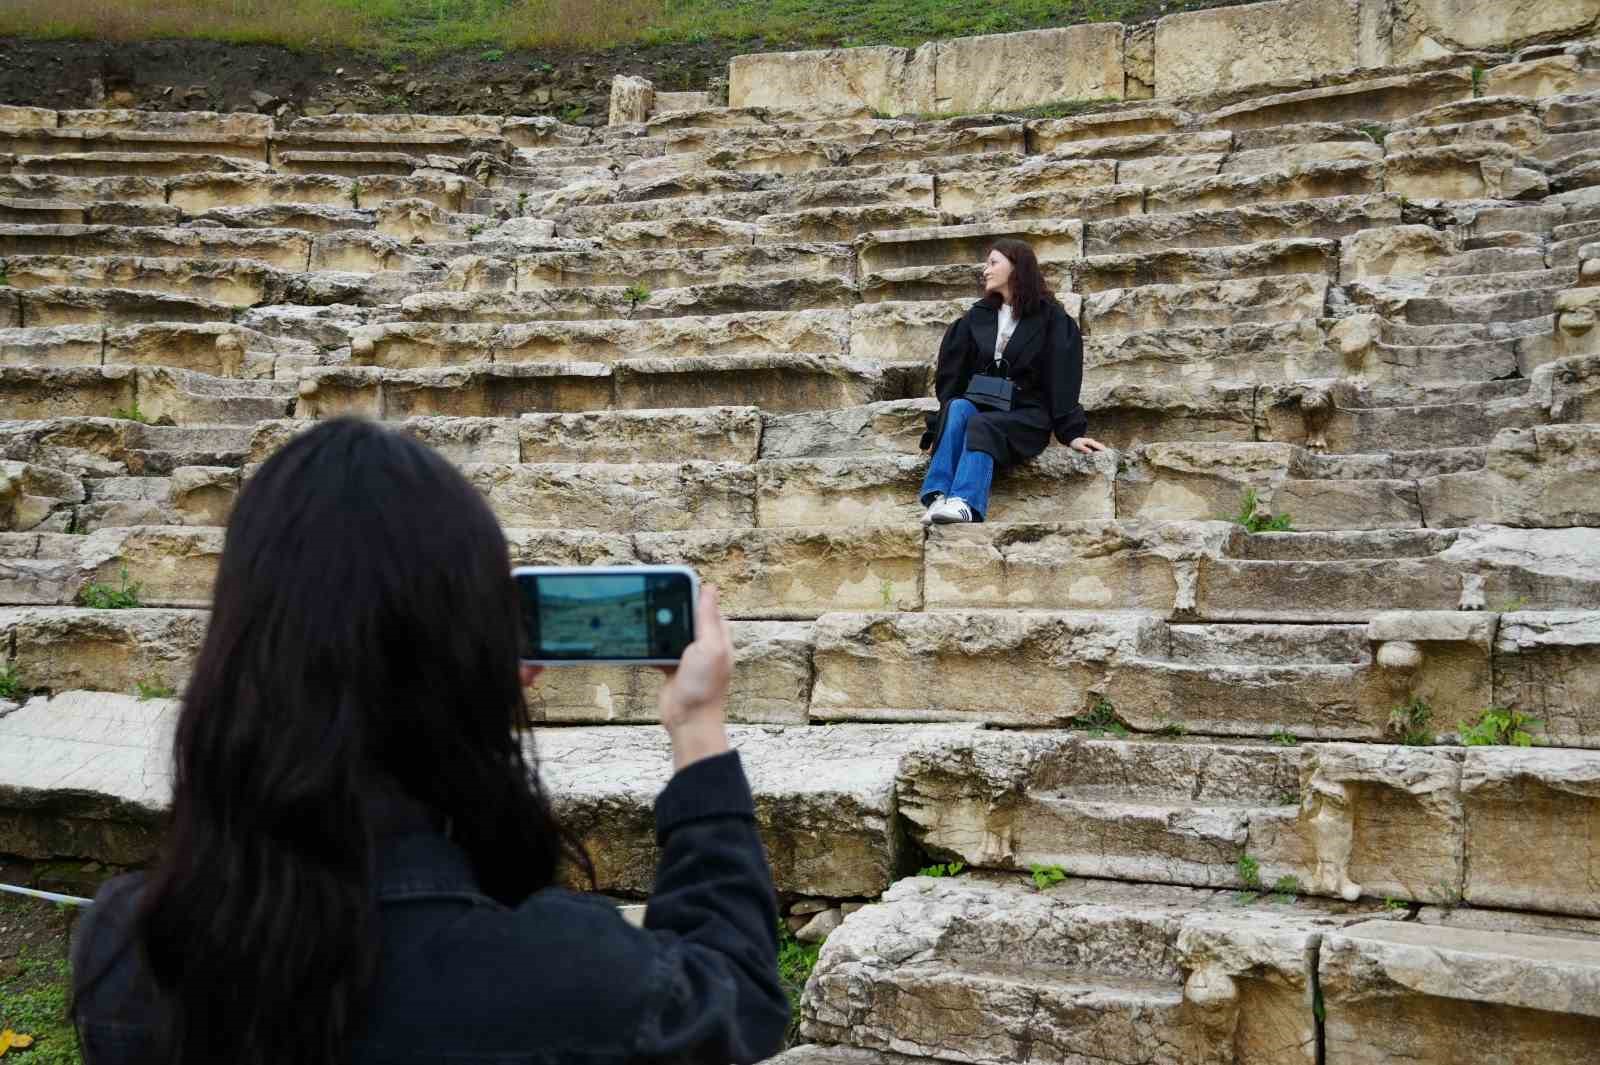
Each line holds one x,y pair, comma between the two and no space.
707,338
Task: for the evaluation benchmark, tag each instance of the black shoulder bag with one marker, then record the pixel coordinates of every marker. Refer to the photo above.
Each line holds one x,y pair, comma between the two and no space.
989,391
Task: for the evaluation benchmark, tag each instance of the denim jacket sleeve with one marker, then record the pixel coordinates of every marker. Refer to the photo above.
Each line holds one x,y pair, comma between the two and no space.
713,916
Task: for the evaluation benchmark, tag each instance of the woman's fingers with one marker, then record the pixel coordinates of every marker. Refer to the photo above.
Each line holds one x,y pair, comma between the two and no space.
1087,445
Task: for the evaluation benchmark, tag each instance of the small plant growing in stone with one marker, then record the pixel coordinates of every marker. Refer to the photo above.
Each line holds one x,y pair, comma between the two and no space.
1287,888
573,112
1257,523
1249,872
635,294
132,414
942,869
795,962
1173,729
1499,727
1412,722
1395,905
1284,738
474,229
11,686
1478,76
1047,876
122,596
355,193
522,203
153,689
1511,606
1375,134
493,55
1101,718
4,280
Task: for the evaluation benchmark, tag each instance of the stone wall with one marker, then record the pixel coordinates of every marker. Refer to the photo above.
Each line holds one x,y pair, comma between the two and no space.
1186,54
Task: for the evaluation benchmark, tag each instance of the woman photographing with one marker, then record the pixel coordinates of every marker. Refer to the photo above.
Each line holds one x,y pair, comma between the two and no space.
1008,376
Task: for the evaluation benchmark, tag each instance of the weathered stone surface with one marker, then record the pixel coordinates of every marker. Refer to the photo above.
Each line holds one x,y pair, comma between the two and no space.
961,192
85,775
172,567
1377,100
632,99
465,391
1213,303
940,666
771,382
889,80
890,428
646,497
30,494
902,331
1007,70
1204,51
1335,216
772,681
1546,662
719,434
1539,476
106,650
1530,813
966,245
799,572
38,392
1403,990
1434,27
1394,250
824,800
1462,172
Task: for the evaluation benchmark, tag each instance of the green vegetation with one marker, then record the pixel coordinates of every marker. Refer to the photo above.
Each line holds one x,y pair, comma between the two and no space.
1477,80
1287,888
1173,729
493,55
1254,522
943,869
154,689
795,962
635,294
1284,738
1511,606
123,596
1393,905
574,111
1100,719
1375,134
1499,727
11,686
132,414
1412,722
33,1002
1249,872
1047,876
4,279
392,27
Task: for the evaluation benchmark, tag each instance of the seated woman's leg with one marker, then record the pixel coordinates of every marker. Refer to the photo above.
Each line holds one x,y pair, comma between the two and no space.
974,475
948,451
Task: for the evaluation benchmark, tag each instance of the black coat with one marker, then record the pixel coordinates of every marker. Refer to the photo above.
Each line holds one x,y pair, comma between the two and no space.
1047,381
560,978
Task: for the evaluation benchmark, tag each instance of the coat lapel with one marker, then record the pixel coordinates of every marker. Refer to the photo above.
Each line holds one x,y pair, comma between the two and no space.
1025,341
985,327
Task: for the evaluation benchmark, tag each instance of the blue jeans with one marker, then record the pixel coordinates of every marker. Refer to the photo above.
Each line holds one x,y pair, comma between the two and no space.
955,471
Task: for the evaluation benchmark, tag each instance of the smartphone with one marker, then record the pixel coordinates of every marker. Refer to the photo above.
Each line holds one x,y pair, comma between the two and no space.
615,615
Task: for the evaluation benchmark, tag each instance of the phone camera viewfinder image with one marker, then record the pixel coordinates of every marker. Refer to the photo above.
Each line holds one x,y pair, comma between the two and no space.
609,615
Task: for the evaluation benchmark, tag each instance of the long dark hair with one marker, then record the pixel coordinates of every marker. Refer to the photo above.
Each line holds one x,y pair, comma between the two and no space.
1029,291
363,641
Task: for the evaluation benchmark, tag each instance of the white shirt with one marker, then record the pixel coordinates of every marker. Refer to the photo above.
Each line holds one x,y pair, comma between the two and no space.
1008,325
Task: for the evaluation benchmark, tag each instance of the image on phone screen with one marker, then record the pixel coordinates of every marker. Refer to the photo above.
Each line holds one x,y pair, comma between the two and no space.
588,616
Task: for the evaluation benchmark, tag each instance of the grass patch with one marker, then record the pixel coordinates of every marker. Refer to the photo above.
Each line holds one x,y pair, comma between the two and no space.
11,686
1100,719
1412,722
1254,522
121,596
1284,738
392,27
795,962
942,869
34,981
1047,876
153,689
1499,727
132,414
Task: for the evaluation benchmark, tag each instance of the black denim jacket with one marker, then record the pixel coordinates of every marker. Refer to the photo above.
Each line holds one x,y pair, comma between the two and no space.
560,978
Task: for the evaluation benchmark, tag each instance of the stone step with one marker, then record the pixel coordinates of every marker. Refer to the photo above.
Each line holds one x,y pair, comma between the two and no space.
456,144
676,269
42,212
1203,813
37,142
1346,417
220,280
412,345
147,192
1383,99
1047,142
610,302
1255,300
350,164
289,249
911,191
197,193
1540,476
155,393
1081,972
1320,181
132,164
1187,266
965,245
114,447
1333,217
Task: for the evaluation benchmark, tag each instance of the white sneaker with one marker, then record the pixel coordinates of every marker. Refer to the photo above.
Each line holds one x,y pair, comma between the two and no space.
927,515
952,511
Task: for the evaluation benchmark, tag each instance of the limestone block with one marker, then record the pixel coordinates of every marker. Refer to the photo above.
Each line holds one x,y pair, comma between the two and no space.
941,666
1205,51
1399,990
106,650
1220,355
1212,303
647,497
632,99
463,440
799,572
1551,75
1430,28
817,332
1383,821
1314,181
966,245
183,397
549,547
1048,140
87,775
1443,657
1376,100
1545,476
722,434
40,392
214,348
1393,250
14,117
1197,482
1166,169
204,495
196,193
1110,124
172,566
1059,485
891,80
1291,157
1013,70
772,382
689,232
1078,566
1516,129
1183,266
892,427
30,494
233,123
1547,663
1531,816
824,800
772,683
1463,172
674,268
903,331
961,192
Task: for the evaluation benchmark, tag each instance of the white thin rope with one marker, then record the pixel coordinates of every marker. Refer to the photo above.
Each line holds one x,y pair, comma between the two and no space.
49,896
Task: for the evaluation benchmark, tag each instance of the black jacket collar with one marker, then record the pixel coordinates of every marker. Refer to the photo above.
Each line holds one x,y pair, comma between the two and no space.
1026,341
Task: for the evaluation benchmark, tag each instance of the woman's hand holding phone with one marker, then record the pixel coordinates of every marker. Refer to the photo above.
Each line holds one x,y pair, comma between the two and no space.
694,699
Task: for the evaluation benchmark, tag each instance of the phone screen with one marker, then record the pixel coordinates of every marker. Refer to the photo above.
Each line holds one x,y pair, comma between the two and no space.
574,617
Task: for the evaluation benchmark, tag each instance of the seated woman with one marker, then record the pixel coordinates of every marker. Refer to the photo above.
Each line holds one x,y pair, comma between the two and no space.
361,863
1020,333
